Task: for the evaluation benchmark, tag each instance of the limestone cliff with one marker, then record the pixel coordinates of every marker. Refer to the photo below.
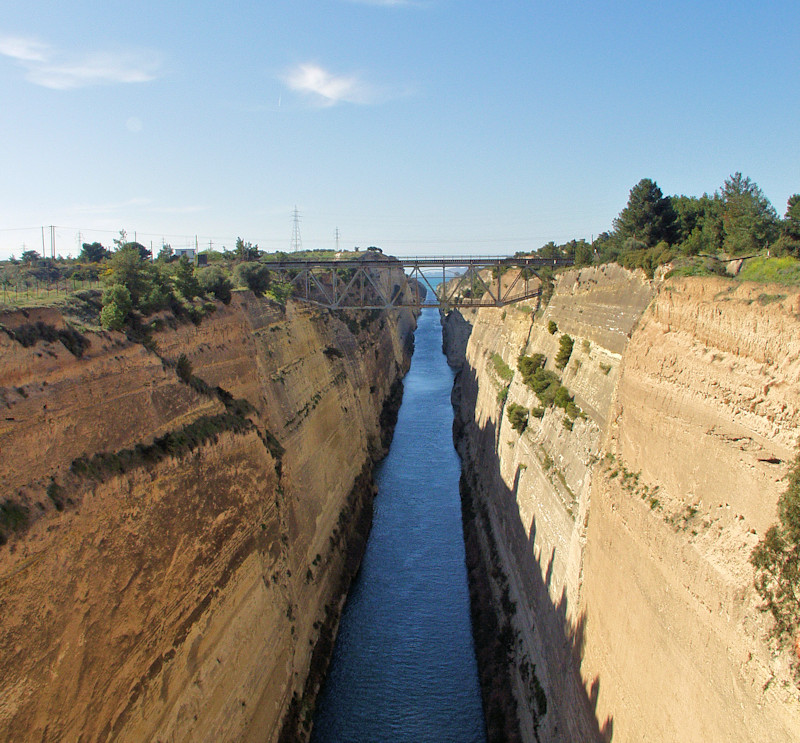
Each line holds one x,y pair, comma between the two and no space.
618,541
179,536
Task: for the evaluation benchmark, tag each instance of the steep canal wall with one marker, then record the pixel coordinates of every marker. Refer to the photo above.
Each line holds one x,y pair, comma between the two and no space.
179,533
612,537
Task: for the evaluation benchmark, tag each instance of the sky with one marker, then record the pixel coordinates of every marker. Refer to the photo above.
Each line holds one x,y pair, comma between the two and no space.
424,127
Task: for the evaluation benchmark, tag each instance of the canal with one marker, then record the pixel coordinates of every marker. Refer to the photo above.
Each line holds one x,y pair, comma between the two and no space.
403,667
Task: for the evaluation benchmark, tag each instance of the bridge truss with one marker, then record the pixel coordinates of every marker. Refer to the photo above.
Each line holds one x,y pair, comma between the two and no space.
380,282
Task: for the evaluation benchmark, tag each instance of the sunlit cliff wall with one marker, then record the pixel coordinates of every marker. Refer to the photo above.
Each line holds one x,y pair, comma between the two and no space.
624,542
187,589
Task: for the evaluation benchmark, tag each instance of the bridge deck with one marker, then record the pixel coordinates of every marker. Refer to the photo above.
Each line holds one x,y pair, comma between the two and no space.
375,281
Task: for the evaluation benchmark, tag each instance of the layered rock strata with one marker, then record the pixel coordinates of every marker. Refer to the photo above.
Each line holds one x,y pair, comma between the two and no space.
616,541
180,533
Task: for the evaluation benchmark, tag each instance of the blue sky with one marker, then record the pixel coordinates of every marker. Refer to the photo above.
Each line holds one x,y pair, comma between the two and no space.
423,127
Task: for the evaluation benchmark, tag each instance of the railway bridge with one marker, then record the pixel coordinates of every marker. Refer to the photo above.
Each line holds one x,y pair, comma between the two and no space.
374,281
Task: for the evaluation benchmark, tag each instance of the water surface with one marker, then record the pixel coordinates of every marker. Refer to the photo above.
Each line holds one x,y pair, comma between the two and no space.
403,667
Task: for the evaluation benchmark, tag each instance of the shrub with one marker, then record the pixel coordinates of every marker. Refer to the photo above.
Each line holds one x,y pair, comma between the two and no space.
517,416
528,365
552,328
565,344
562,398
183,367
504,371
502,395
281,291
213,280
253,276
776,559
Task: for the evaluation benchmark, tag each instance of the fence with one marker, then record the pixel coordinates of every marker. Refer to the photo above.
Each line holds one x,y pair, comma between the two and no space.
26,290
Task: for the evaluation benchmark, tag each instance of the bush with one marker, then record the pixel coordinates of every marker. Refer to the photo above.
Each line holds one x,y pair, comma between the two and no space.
253,276
528,365
565,344
562,398
183,368
517,416
776,559
552,328
281,291
214,280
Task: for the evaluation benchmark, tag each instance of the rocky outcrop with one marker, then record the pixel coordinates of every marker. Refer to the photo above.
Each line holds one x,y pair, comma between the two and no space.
621,538
180,537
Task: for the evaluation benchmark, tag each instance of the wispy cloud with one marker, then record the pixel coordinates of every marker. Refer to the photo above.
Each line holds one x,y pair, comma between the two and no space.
328,89
65,71
23,50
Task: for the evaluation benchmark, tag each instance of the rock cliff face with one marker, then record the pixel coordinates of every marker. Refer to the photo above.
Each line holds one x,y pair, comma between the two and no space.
616,546
179,538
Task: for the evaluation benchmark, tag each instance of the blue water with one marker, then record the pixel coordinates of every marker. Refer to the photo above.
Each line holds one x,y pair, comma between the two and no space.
403,666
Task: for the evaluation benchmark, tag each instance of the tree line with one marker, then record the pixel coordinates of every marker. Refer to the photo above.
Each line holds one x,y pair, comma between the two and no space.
652,229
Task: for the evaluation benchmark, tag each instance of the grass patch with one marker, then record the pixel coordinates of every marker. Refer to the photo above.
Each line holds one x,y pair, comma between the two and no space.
503,370
784,270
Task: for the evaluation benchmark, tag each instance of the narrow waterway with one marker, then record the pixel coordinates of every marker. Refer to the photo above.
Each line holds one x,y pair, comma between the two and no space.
403,667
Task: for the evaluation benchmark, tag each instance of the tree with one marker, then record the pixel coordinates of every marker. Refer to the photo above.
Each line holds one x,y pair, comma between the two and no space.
648,216
128,269
93,253
247,251
185,281
749,221
30,257
166,254
117,305
790,232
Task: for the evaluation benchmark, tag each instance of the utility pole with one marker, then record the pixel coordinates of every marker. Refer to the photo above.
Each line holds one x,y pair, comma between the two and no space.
43,253
52,242
297,243
337,239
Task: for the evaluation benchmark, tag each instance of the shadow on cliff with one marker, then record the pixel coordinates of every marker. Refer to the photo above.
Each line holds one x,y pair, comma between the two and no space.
560,641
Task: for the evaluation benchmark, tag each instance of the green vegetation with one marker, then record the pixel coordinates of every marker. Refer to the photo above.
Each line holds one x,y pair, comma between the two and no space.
13,517
27,335
547,386
783,270
565,344
504,371
776,559
696,233
552,327
517,416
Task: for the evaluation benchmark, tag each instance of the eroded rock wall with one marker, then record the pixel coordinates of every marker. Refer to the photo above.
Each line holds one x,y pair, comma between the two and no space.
625,539
183,589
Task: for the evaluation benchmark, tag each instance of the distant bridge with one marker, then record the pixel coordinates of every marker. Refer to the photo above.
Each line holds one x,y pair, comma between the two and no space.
374,281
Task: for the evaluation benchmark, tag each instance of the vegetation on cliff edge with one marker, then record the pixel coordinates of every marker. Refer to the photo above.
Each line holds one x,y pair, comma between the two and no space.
776,559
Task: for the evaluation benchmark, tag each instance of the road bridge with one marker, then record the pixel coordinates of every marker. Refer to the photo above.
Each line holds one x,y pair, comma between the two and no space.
374,281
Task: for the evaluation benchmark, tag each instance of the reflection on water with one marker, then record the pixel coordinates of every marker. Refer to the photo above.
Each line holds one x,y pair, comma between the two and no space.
403,668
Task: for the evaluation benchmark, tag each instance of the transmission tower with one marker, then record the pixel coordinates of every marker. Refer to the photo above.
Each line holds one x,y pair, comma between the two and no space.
297,243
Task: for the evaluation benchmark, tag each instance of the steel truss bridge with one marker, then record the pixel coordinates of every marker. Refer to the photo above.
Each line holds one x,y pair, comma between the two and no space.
384,282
